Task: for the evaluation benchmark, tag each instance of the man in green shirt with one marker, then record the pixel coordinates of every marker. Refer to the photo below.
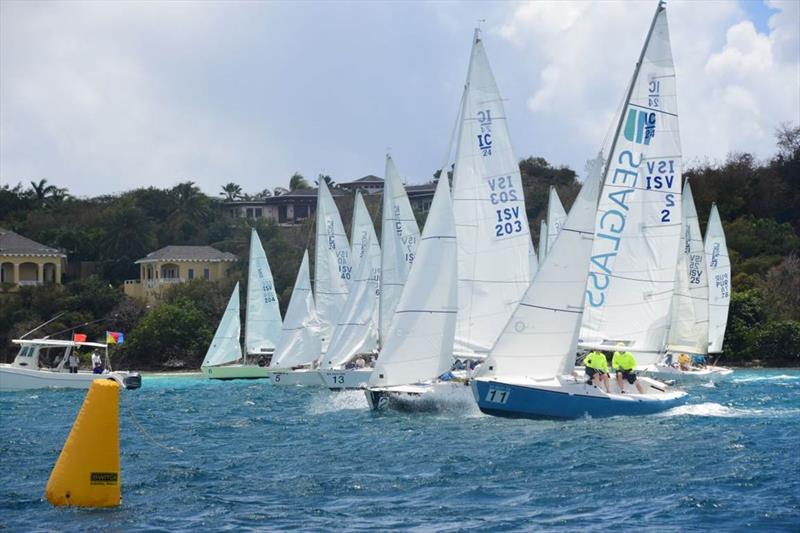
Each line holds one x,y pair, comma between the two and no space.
624,364
597,368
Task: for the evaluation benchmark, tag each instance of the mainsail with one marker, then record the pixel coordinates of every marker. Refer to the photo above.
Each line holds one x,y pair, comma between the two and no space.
356,330
719,281
689,322
638,227
300,339
332,270
489,210
555,218
263,318
225,347
539,340
419,345
400,234
363,238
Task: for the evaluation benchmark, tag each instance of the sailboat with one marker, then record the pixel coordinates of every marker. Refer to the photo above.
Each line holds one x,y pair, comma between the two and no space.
494,240
689,325
300,343
355,337
419,343
718,264
262,322
555,218
530,370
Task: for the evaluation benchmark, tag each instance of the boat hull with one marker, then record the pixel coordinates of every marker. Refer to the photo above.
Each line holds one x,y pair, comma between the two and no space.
423,397
303,377
16,378
559,399
345,379
705,374
227,372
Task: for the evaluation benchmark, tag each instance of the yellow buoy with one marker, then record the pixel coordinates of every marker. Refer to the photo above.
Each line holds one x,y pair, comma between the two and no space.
87,472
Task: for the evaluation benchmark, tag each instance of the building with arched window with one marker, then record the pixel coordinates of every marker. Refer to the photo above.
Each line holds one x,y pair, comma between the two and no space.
27,262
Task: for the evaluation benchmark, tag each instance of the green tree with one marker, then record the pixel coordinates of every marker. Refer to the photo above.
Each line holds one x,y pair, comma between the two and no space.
297,182
41,190
231,192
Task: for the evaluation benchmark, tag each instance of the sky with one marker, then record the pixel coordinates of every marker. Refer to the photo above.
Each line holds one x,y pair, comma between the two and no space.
103,97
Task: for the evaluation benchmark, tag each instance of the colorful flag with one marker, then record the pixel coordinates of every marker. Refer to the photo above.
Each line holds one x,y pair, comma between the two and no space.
79,337
115,337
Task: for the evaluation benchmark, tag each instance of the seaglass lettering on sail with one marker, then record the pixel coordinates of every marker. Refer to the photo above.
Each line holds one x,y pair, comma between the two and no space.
637,229
489,209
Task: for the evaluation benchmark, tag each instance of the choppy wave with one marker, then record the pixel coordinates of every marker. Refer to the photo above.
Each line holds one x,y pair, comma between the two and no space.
711,409
782,377
325,401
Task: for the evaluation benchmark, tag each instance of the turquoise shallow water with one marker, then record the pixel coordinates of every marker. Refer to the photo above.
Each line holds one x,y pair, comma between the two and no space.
257,457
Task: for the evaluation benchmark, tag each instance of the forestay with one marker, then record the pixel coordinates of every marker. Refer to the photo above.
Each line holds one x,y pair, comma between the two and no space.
356,330
332,270
262,328
419,344
400,234
719,281
540,338
555,217
300,339
637,230
489,210
225,347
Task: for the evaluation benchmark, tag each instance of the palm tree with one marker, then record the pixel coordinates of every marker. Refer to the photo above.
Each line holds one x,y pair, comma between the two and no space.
328,180
297,181
231,191
41,190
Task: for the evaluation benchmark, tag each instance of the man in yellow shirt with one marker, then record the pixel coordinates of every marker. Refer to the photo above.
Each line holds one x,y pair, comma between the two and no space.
597,368
624,364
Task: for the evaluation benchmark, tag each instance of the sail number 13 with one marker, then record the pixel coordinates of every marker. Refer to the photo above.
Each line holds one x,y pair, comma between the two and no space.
497,396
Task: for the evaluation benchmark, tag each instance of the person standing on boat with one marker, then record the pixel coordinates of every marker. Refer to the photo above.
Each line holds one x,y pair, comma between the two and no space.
97,363
597,368
624,363
73,363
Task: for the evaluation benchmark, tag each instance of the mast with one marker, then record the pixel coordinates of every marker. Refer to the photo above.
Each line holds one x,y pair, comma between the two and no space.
659,8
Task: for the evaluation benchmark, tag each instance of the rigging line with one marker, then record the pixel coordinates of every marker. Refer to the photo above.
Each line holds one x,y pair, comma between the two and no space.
144,432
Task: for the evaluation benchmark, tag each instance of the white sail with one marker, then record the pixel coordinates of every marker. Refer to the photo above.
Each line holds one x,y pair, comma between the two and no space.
555,218
300,339
400,234
533,260
689,323
332,270
719,281
539,340
489,210
356,330
225,347
637,230
542,240
262,328
419,345
363,240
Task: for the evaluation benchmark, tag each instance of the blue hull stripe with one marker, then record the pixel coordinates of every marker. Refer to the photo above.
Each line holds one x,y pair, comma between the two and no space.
516,401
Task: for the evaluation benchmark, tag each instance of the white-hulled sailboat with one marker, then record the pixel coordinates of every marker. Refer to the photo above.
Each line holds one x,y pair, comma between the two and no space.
262,322
355,337
419,343
626,297
301,344
688,337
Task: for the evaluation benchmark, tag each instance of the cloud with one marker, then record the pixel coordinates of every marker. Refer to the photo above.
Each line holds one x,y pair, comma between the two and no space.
735,85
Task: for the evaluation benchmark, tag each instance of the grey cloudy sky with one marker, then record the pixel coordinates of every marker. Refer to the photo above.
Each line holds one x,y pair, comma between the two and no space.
101,97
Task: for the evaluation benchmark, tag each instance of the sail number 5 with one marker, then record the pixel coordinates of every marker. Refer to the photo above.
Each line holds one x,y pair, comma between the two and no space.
497,396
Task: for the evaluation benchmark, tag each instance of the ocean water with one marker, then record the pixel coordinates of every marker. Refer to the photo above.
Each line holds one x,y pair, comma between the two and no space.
205,456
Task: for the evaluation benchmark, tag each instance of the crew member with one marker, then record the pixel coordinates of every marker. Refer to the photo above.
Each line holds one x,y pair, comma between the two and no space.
624,363
97,363
74,361
684,362
597,368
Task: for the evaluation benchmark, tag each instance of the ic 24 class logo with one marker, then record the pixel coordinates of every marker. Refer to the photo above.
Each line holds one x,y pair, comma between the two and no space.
640,126
485,136
715,255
